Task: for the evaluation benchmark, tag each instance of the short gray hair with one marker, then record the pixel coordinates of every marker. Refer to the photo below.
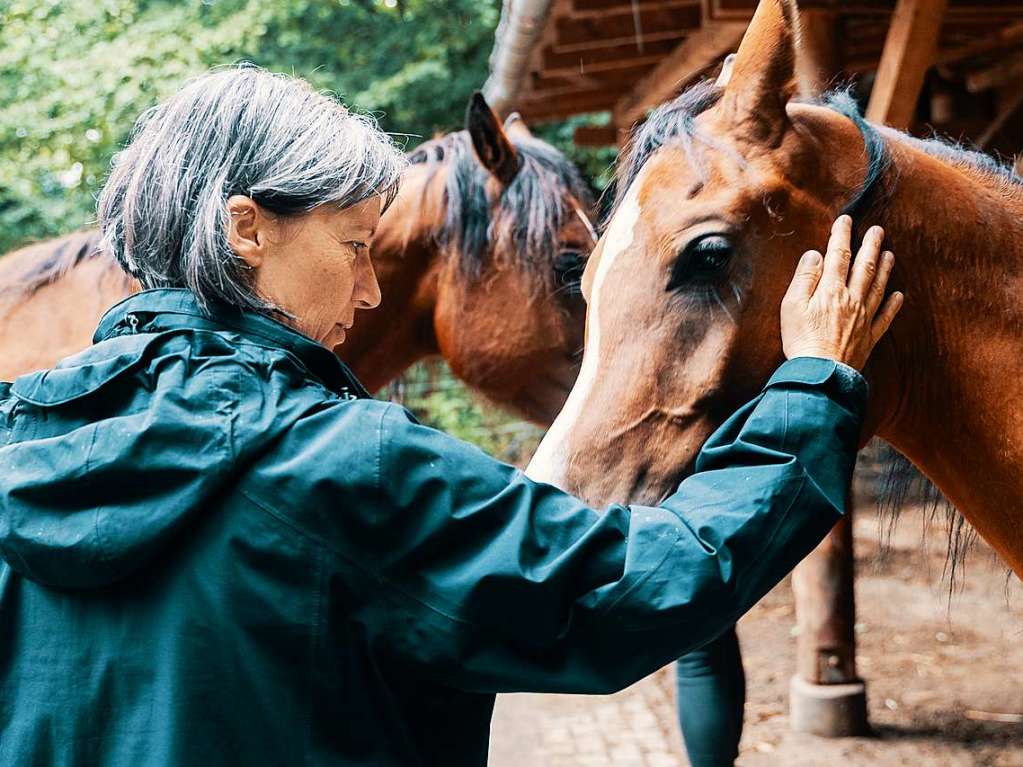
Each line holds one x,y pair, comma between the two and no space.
239,130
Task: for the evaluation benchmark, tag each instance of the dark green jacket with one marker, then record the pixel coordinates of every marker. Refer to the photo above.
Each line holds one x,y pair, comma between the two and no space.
218,551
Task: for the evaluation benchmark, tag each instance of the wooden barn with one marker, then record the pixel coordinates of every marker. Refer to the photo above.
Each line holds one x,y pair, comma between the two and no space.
951,66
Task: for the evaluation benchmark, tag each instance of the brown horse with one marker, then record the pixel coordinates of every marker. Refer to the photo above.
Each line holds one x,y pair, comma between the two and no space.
723,190
478,258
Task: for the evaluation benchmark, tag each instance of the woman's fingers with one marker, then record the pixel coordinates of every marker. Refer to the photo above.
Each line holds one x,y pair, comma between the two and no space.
865,267
836,262
877,288
808,274
885,315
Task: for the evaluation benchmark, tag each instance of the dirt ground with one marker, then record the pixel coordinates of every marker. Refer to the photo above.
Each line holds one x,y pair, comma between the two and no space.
944,677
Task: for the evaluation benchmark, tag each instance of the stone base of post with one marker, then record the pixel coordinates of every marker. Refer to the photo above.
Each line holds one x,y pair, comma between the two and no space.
828,710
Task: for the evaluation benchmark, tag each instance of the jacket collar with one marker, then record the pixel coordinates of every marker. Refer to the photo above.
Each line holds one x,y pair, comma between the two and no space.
177,308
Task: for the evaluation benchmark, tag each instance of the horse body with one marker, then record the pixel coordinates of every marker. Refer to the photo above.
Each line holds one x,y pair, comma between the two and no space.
723,191
508,327
52,295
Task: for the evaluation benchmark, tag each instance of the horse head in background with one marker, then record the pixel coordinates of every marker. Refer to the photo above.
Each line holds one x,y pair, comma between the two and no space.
723,189
483,250
479,260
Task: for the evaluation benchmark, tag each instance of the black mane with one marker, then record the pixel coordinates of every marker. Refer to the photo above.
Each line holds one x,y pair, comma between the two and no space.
530,211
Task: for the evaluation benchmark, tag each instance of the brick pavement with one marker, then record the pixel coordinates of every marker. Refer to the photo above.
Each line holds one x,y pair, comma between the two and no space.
633,728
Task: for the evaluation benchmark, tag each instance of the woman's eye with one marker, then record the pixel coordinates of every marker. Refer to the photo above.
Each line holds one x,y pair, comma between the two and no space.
703,259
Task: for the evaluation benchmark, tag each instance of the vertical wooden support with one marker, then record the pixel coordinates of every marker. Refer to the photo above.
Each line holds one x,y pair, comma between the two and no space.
909,51
825,696
823,585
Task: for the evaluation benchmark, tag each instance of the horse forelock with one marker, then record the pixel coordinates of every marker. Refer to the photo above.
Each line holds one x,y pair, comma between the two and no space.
673,123
524,221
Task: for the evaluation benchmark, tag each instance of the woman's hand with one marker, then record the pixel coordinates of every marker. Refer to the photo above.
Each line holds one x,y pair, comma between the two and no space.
828,312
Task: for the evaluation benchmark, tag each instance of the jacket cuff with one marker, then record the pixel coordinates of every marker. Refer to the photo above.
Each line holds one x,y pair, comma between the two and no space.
840,382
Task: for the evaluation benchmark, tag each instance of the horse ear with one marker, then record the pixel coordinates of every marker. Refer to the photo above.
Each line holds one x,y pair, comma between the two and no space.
493,147
762,77
515,126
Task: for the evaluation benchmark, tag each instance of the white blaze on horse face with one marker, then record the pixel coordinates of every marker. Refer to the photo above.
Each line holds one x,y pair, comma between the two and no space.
550,462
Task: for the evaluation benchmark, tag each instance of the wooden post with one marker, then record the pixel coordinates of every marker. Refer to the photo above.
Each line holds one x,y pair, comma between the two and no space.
825,696
909,51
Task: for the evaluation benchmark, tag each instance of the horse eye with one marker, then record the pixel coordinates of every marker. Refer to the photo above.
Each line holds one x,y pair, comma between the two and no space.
702,259
568,267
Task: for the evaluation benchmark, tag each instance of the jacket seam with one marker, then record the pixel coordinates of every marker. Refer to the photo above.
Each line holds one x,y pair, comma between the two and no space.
774,532
650,573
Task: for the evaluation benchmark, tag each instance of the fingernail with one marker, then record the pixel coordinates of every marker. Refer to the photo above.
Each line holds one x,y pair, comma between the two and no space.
812,258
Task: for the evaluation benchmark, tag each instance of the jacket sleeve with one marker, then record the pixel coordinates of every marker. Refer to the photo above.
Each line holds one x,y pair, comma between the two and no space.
490,582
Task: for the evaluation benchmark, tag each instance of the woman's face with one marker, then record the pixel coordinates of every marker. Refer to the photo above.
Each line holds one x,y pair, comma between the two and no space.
315,266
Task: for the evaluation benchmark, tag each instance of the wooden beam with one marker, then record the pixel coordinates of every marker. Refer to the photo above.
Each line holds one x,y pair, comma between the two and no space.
655,23
551,107
586,6
620,79
908,53
694,55
999,39
608,55
959,10
595,135
1003,73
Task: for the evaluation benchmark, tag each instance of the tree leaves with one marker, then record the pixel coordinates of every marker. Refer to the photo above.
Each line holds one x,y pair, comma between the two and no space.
75,75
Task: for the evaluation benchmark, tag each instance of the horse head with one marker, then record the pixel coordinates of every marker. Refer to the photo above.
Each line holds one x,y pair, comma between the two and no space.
502,223
720,193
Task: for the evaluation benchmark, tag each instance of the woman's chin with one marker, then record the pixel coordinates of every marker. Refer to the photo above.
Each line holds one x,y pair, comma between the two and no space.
337,337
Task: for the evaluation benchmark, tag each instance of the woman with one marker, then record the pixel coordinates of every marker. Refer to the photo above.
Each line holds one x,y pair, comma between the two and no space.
219,550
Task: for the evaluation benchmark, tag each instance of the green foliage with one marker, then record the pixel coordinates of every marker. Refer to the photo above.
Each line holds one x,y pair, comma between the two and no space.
441,401
75,74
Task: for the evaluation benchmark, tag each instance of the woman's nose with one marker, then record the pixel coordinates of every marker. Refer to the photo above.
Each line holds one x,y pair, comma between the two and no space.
367,290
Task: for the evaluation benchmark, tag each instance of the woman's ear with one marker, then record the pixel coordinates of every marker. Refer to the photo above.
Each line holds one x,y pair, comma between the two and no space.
246,230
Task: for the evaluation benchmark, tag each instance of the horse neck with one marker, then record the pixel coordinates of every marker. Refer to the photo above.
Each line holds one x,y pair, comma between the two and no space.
387,340
946,381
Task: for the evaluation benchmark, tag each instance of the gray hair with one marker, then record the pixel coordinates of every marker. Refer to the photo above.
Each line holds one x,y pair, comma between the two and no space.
241,130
